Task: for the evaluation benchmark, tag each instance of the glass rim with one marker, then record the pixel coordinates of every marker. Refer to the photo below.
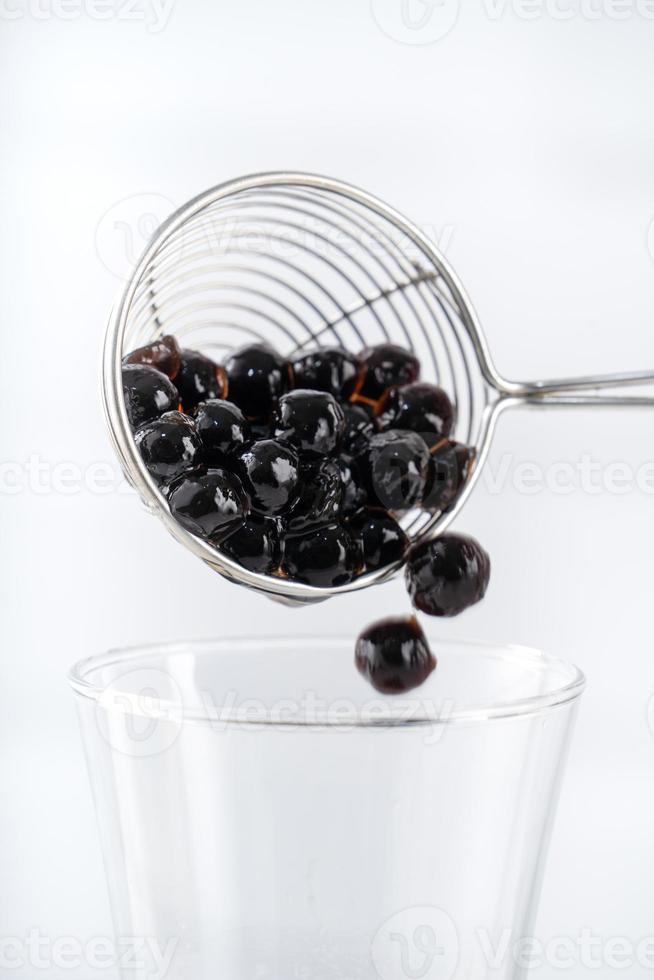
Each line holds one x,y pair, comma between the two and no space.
79,678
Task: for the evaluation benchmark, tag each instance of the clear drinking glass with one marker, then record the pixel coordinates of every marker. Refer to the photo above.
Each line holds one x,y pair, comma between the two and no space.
265,813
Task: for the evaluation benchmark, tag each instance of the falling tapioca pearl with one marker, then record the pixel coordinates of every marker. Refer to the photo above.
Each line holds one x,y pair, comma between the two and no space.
447,575
393,655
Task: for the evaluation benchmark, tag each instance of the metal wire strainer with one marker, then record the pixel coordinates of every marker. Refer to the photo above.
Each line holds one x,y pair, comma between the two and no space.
303,261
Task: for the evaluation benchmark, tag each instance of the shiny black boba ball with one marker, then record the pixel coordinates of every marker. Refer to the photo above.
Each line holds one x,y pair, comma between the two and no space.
257,376
354,490
324,557
199,379
319,500
255,545
449,470
393,655
310,421
163,354
329,369
384,366
209,503
148,393
382,539
360,427
170,446
422,408
396,467
270,472
223,429
446,575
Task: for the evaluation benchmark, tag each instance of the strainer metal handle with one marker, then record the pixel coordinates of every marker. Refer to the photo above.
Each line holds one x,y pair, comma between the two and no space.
593,389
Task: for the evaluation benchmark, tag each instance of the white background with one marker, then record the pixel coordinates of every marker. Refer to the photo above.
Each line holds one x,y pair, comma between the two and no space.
525,145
